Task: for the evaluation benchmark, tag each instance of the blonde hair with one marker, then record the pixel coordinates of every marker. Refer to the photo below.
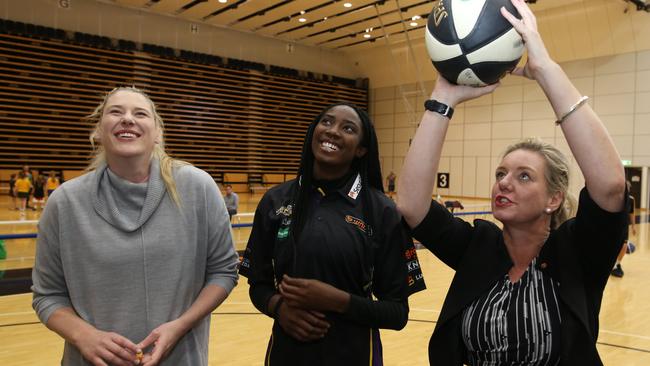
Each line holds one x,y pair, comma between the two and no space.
167,163
556,174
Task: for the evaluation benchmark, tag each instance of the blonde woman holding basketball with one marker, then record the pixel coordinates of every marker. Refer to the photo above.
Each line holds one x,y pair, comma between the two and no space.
528,293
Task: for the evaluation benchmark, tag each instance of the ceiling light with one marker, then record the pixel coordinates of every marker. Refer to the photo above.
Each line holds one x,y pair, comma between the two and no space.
414,24
367,35
302,20
302,12
223,1
348,5
415,17
324,18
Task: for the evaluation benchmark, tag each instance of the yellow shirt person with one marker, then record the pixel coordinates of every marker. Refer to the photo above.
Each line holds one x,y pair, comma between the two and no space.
23,185
52,184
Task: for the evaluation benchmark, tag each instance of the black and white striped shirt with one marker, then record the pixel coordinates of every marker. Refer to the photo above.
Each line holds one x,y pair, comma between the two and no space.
515,323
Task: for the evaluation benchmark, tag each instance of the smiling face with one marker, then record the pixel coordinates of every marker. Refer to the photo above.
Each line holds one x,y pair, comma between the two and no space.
127,128
337,142
520,192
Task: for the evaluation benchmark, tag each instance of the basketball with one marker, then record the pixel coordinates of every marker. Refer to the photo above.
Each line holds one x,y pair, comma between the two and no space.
470,42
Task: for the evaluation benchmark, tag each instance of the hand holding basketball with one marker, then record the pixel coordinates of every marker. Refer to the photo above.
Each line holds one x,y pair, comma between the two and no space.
538,57
452,95
470,42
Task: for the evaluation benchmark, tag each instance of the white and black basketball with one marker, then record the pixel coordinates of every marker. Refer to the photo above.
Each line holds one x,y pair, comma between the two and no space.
470,42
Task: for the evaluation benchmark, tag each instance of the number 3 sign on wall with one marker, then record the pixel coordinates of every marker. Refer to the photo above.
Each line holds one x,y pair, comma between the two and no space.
443,180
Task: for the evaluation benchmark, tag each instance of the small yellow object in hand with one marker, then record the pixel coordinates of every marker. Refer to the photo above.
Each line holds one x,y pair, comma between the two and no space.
139,355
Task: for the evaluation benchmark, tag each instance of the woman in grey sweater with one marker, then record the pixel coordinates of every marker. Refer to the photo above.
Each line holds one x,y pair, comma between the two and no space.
135,254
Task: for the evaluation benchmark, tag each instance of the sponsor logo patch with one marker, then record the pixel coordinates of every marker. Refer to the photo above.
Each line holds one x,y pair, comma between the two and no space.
356,188
284,211
283,233
356,222
413,265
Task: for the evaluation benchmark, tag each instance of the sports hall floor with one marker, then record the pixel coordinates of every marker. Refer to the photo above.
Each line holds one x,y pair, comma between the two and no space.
240,334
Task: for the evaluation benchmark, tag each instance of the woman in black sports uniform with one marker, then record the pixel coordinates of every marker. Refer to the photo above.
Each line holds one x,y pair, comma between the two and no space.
324,244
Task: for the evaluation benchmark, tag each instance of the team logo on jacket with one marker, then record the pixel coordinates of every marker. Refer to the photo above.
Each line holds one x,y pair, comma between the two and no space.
283,233
356,222
284,211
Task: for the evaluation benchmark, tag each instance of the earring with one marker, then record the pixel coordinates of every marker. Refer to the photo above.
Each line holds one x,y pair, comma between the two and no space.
548,210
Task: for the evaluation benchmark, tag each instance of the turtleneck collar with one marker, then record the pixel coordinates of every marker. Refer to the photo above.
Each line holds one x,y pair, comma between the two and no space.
123,204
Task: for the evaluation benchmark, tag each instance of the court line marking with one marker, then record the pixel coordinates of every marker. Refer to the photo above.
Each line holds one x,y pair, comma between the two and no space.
18,222
626,347
18,313
414,320
17,259
14,295
630,335
229,303
624,334
601,343
18,324
425,310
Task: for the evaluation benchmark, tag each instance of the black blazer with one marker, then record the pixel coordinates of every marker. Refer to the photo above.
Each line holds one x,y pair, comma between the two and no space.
579,255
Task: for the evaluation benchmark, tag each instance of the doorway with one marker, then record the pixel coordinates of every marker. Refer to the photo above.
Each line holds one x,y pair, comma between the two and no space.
634,175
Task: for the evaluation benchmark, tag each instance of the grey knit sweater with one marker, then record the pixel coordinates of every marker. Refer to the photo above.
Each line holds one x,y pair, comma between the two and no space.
126,259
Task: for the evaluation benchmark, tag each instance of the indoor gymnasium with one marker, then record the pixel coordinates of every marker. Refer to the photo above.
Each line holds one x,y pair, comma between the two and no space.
324,182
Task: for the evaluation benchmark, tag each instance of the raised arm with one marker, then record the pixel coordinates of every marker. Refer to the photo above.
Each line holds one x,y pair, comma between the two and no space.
586,135
421,163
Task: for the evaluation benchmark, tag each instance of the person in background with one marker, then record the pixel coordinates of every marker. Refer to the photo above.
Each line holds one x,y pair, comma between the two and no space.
22,188
28,173
232,201
12,191
390,183
617,271
452,205
39,192
528,293
133,256
52,183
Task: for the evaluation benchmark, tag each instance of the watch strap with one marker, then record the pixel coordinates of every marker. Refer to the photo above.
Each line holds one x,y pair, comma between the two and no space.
440,108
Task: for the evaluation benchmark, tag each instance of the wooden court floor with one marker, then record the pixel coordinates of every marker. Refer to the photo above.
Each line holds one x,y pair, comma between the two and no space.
240,334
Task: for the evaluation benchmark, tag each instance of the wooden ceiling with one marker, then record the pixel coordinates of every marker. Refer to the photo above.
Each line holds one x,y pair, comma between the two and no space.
345,25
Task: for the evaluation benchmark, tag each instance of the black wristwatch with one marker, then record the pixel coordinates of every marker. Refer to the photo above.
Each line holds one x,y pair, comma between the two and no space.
441,108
